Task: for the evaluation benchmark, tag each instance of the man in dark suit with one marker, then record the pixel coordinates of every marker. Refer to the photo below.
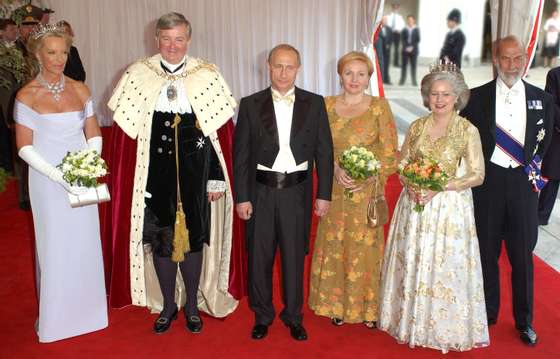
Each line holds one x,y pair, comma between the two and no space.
281,133
410,37
551,162
454,42
386,37
514,120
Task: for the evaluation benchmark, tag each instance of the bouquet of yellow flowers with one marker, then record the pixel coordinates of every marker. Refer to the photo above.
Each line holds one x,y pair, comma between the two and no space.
359,163
424,174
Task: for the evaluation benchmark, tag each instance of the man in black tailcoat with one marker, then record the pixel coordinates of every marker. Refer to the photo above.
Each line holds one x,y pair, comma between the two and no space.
282,133
514,120
551,162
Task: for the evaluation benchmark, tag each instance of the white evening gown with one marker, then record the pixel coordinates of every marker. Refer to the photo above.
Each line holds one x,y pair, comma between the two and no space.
70,280
432,292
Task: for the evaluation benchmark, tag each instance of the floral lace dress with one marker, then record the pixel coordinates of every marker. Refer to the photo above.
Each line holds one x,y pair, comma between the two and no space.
431,289
347,257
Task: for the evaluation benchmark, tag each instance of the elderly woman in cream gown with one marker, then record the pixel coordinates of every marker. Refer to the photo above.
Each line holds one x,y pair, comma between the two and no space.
431,289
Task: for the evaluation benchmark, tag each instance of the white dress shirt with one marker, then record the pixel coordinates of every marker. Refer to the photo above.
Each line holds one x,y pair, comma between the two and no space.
511,116
285,161
181,104
396,22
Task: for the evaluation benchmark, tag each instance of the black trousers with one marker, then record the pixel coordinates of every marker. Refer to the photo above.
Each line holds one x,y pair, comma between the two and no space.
395,44
386,64
278,221
506,208
407,58
547,198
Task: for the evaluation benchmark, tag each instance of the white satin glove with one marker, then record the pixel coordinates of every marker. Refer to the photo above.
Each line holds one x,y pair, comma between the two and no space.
95,143
38,163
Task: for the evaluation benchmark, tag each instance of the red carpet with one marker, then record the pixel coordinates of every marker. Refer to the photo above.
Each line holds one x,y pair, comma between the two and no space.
129,333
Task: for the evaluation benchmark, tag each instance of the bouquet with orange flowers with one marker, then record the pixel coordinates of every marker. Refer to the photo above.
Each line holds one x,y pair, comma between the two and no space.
423,174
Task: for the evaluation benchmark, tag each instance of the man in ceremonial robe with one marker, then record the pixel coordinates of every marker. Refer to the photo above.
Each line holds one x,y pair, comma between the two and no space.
178,109
514,120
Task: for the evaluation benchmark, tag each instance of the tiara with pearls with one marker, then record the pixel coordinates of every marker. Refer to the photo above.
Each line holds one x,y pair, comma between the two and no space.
41,30
444,66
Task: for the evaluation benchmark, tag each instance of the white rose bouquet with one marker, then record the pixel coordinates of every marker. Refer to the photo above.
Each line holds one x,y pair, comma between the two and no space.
359,163
83,168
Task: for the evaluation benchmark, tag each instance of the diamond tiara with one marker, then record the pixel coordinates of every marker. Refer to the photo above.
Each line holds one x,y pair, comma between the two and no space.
444,66
42,30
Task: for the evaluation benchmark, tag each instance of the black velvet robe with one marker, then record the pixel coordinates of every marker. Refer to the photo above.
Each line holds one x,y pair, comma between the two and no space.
198,163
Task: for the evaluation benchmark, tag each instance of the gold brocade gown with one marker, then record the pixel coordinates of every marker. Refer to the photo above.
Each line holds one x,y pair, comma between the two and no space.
432,289
347,256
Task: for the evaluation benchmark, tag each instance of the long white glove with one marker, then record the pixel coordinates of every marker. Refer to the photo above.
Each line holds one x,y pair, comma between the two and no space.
38,163
96,143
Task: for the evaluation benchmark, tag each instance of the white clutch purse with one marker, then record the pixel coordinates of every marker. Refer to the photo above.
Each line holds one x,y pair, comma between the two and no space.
93,195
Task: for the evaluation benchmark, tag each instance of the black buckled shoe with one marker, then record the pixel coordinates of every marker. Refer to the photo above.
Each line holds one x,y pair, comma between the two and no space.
194,323
528,336
259,331
297,331
162,324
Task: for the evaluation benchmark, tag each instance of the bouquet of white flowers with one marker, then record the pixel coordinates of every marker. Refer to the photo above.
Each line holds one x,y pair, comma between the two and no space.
359,163
83,168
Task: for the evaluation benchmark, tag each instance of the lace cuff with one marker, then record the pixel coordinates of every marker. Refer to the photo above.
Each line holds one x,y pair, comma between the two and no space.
215,186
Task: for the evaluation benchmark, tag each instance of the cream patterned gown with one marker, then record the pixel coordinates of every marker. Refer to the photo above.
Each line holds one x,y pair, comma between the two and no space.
431,289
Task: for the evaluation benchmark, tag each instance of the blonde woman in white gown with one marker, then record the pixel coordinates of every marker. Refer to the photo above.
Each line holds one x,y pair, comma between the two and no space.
431,289
54,115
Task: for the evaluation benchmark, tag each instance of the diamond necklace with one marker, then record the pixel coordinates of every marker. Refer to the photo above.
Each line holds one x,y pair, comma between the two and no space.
56,88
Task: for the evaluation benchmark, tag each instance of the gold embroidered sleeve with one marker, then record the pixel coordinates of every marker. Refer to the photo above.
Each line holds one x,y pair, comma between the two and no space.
474,161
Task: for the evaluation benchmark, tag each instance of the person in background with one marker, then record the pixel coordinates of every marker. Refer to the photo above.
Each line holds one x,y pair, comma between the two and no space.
551,40
410,37
54,115
46,17
396,22
8,32
386,35
30,16
431,288
551,161
452,50
74,67
348,253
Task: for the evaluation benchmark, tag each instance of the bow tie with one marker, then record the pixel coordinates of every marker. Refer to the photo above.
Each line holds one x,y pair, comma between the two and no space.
288,99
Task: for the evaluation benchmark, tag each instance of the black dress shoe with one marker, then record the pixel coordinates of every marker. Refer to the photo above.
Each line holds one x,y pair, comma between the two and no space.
162,323
297,331
194,323
259,331
528,336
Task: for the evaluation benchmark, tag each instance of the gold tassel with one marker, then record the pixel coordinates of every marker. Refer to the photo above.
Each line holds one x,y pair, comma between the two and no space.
181,243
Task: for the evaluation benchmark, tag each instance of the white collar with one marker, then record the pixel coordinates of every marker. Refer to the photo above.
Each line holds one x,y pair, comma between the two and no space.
503,89
172,67
288,93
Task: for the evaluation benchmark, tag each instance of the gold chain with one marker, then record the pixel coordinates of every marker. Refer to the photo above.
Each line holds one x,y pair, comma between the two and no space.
182,75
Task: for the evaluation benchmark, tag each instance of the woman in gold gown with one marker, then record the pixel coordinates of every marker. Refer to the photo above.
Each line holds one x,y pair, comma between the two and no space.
431,289
347,256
